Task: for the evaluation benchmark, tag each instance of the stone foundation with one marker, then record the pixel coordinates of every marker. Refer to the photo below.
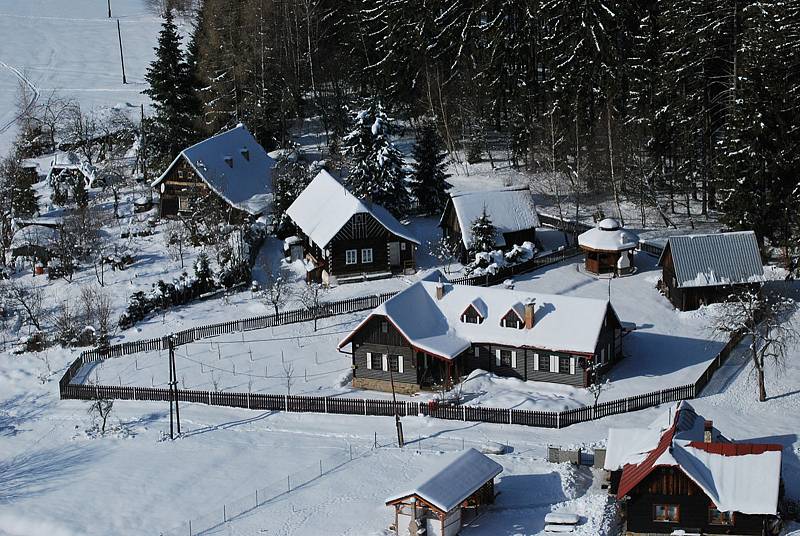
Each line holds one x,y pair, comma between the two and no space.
385,385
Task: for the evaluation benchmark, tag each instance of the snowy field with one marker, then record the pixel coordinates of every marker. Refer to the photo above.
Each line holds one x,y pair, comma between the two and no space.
668,348
71,47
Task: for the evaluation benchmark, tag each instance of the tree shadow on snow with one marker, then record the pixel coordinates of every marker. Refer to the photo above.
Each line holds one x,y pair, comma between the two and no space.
19,409
34,473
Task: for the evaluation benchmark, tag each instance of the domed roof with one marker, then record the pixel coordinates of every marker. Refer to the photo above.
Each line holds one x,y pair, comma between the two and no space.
609,224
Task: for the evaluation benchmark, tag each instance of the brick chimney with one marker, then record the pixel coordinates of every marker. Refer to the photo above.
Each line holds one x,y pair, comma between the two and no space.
708,427
439,290
530,317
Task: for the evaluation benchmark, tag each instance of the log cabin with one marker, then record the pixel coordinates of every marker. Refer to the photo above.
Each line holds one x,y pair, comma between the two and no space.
348,239
708,268
231,166
446,496
608,248
682,474
512,211
432,333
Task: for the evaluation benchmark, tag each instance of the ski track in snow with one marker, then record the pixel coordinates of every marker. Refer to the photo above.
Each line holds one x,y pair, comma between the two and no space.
17,73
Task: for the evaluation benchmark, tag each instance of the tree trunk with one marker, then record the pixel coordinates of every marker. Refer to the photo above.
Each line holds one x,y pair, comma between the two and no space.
762,390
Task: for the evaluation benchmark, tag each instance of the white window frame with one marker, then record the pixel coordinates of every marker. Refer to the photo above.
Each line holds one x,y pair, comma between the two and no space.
366,256
572,366
553,363
369,360
513,359
351,256
535,361
497,360
476,351
385,363
184,203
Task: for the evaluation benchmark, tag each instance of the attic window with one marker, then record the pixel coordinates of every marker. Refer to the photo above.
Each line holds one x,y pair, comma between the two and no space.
229,161
471,316
246,153
512,320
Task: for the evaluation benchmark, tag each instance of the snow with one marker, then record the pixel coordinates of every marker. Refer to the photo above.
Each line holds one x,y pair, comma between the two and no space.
561,518
36,235
435,325
234,166
456,477
510,209
608,235
325,206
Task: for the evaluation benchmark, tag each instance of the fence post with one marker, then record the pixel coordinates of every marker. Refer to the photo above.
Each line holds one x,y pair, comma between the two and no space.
509,416
286,402
209,398
134,392
364,400
248,399
325,402
558,419
661,397
463,413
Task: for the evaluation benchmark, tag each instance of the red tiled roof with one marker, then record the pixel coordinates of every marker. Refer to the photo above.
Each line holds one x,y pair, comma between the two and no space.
735,449
633,474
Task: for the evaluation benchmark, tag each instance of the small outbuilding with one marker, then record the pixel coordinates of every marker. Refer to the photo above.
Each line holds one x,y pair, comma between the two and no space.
349,239
708,268
512,211
609,248
231,165
447,497
34,242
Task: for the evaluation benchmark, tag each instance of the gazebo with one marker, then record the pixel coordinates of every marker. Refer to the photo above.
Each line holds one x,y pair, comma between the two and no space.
609,248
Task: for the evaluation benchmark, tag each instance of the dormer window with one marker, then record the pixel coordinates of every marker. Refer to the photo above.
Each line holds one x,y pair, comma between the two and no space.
246,153
471,315
512,320
229,161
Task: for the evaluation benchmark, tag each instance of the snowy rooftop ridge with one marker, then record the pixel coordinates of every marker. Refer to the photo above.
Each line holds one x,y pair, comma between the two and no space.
458,476
234,166
608,235
705,260
737,477
561,323
510,209
325,206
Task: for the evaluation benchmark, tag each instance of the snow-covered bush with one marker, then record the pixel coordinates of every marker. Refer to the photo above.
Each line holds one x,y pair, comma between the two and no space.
492,262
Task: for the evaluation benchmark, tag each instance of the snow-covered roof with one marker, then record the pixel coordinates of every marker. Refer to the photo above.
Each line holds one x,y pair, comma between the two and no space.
608,235
737,477
453,480
561,323
510,209
706,260
325,206
70,161
36,235
234,166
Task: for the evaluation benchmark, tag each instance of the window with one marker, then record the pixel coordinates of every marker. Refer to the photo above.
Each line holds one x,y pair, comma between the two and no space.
376,361
394,363
384,327
505,358
402,246
470,318
511,320
715,517
666,513
477,351
180,174
351,256
544,363
183,203
366,255
359,226
563,365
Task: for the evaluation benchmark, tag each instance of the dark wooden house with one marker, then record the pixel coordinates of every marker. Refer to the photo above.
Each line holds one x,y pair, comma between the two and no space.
708,268
512,211
434,332
231,166
447,496
348,239
691,478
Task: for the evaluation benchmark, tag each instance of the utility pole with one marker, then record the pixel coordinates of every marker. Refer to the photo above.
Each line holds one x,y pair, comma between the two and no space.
109,9
143,149
174,381
397,422
121,57
169,385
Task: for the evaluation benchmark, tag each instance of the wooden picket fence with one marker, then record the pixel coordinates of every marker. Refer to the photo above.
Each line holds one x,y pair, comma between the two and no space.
516,269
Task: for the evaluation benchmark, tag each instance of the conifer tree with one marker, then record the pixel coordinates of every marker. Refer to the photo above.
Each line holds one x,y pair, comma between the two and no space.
289,179
24,202
483,232
430,178
171,89
376,165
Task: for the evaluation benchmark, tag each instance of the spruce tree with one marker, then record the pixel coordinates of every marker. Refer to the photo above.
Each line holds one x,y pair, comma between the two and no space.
289,179
483,232
171,89
430,178
24,203
376,165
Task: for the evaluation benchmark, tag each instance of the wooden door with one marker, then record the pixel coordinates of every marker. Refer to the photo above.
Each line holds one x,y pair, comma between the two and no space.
394,253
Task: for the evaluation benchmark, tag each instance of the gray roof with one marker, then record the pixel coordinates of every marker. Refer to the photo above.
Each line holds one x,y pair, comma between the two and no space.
715,259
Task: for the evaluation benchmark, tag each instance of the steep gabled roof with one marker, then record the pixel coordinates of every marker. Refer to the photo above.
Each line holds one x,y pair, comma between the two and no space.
453,480
715,259
510,209
325,206
234,166
562,323
737,477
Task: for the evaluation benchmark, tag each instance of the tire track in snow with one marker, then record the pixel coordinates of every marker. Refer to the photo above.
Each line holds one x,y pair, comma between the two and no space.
16,72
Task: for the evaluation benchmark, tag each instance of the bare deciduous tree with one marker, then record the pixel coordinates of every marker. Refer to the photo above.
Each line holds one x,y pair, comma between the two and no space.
766,320
276,292
29,299
288,374
101,408
177,239
312,299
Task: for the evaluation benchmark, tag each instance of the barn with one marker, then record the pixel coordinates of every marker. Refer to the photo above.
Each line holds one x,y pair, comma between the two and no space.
231,166
434,332
348,239
512,211
449,495
707,268
682,476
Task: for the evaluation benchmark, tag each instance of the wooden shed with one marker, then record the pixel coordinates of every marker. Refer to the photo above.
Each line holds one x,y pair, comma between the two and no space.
442,500
708,268
609,248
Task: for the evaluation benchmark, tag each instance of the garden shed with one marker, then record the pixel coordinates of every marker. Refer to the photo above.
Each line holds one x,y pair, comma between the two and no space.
609,248
442,500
